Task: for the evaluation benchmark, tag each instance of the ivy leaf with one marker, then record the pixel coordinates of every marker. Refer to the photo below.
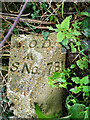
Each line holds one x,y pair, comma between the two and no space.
60,36
66,23
75,90
82,63
72,66
86,88
76,80
85,80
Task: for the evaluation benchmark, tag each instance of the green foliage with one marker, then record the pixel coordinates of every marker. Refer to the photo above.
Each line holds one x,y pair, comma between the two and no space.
65,34
32,8
82,63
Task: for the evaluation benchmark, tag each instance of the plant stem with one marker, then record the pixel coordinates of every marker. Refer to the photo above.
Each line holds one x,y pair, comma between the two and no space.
15,22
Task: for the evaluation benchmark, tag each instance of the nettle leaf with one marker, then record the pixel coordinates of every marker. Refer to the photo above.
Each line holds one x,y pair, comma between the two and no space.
66,23
72,66
65,41
85,80
76,33
60,36
76,80
68,35
73,49
58,26
75,90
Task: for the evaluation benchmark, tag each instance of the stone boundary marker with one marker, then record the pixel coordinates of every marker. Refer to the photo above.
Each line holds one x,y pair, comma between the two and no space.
32,60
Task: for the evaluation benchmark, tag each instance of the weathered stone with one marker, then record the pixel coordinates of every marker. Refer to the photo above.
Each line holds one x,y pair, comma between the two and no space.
32,60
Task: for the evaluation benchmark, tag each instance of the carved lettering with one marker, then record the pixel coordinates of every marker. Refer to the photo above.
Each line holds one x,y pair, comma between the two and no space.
25,66
50,66
33,44
35,70
14,66
46,44
57,66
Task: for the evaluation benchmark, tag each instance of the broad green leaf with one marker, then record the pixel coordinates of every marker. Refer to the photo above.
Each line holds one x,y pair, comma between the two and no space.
76,80
60,36
75,90
66,23
77,111
80,65
85,80
76,33
72,66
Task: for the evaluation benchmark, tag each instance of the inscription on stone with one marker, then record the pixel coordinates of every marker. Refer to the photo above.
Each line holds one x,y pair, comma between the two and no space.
32,60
